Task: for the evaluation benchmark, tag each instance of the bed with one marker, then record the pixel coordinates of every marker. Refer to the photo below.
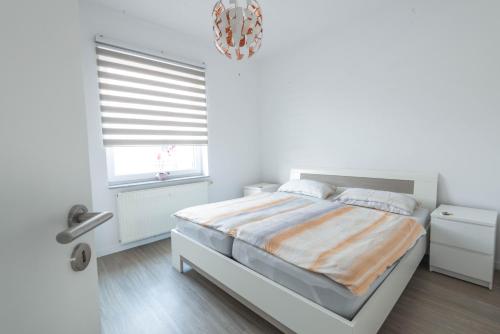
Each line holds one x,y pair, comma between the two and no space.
292,298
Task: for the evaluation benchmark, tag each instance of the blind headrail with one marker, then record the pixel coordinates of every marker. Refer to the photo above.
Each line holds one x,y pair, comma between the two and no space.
160,54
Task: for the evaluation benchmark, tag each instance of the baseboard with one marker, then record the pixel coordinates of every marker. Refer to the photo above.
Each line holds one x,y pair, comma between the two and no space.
121,247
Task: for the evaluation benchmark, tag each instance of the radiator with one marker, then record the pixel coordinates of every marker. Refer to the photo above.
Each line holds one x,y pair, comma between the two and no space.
147,213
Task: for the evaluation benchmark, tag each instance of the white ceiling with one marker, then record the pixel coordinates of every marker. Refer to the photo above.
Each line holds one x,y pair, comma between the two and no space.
286,22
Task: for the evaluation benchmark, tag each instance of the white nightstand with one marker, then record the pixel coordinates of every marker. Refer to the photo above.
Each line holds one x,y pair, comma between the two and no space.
463,243
260,188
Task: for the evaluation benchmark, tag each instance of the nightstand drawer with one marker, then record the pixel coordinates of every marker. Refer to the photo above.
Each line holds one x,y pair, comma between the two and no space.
464,235
460,261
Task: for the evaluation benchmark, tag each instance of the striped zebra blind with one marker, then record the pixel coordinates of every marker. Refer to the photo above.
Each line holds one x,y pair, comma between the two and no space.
146,100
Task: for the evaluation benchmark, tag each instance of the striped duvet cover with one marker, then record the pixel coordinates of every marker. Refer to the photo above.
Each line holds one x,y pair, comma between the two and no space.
350,245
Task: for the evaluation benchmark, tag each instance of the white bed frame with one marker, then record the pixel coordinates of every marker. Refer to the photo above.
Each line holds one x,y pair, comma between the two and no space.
290,311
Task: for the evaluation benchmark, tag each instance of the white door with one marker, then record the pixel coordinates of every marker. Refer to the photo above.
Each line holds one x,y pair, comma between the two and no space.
43,171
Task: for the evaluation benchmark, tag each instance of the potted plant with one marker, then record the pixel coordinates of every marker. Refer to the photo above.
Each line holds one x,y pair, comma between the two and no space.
162,157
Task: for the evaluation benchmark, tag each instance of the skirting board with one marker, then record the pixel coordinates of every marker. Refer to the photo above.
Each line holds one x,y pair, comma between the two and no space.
121,247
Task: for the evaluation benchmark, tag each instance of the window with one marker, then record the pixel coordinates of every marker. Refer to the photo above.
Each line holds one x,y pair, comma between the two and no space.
153,115
144,163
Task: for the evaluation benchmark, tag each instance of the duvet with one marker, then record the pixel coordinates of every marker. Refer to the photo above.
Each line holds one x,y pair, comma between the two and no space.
350,245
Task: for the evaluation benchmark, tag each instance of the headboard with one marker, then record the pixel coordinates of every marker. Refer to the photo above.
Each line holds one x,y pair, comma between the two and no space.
423,186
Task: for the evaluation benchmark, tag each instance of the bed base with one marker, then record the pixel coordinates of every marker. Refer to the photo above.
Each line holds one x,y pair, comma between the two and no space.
283,307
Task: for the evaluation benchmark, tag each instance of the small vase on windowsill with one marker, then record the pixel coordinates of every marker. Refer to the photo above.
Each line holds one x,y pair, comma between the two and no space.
162,176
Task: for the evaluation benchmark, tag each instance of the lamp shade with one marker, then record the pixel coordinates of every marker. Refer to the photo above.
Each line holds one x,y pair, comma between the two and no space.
237,28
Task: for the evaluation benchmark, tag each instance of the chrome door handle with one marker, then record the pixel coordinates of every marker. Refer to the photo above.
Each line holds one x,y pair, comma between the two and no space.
80,221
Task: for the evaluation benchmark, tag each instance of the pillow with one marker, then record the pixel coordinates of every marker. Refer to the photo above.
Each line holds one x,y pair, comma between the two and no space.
381,200
309,188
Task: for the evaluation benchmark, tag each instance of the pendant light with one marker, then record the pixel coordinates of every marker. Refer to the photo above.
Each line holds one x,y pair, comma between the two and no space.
238,28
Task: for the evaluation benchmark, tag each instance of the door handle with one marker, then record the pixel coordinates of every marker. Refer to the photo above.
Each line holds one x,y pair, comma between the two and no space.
80,221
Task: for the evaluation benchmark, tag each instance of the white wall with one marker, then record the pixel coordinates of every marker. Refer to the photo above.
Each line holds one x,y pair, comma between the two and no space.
233,119
414,85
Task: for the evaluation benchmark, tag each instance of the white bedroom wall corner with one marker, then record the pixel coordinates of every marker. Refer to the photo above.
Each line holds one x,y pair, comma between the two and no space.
385,98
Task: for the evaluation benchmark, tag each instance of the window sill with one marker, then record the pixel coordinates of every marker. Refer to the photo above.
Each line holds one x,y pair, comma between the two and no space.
165,183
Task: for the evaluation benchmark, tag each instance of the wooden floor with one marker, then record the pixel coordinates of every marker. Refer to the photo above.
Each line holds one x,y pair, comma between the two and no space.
141,293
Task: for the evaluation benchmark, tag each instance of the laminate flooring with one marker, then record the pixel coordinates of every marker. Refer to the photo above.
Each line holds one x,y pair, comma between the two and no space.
140,292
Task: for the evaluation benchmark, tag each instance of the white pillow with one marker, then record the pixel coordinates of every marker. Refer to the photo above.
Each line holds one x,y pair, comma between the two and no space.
381,200
309,188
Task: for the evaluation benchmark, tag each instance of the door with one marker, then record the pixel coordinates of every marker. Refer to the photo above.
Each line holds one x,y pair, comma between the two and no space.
43,171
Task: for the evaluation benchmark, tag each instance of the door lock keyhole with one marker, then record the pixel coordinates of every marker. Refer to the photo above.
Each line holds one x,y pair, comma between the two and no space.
80,258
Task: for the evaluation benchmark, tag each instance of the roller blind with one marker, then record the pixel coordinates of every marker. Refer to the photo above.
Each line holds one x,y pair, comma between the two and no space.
147,100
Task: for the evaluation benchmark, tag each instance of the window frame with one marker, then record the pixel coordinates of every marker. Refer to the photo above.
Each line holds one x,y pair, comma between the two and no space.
114,180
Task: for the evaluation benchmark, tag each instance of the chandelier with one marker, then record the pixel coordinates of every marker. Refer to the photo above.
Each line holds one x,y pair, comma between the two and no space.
237,28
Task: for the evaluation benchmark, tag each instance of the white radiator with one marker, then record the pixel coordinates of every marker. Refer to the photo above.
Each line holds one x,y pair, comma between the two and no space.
147,213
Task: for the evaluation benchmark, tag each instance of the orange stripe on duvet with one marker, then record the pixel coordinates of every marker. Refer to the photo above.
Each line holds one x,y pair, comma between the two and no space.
369,266
249,210
348,242
233,231
275,243
396,235
388,260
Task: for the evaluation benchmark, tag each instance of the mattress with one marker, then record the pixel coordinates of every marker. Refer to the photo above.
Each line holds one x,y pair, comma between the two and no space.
214,239
313,286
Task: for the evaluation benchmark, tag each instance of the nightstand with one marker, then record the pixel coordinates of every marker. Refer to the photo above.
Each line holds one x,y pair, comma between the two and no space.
463,243
260,188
